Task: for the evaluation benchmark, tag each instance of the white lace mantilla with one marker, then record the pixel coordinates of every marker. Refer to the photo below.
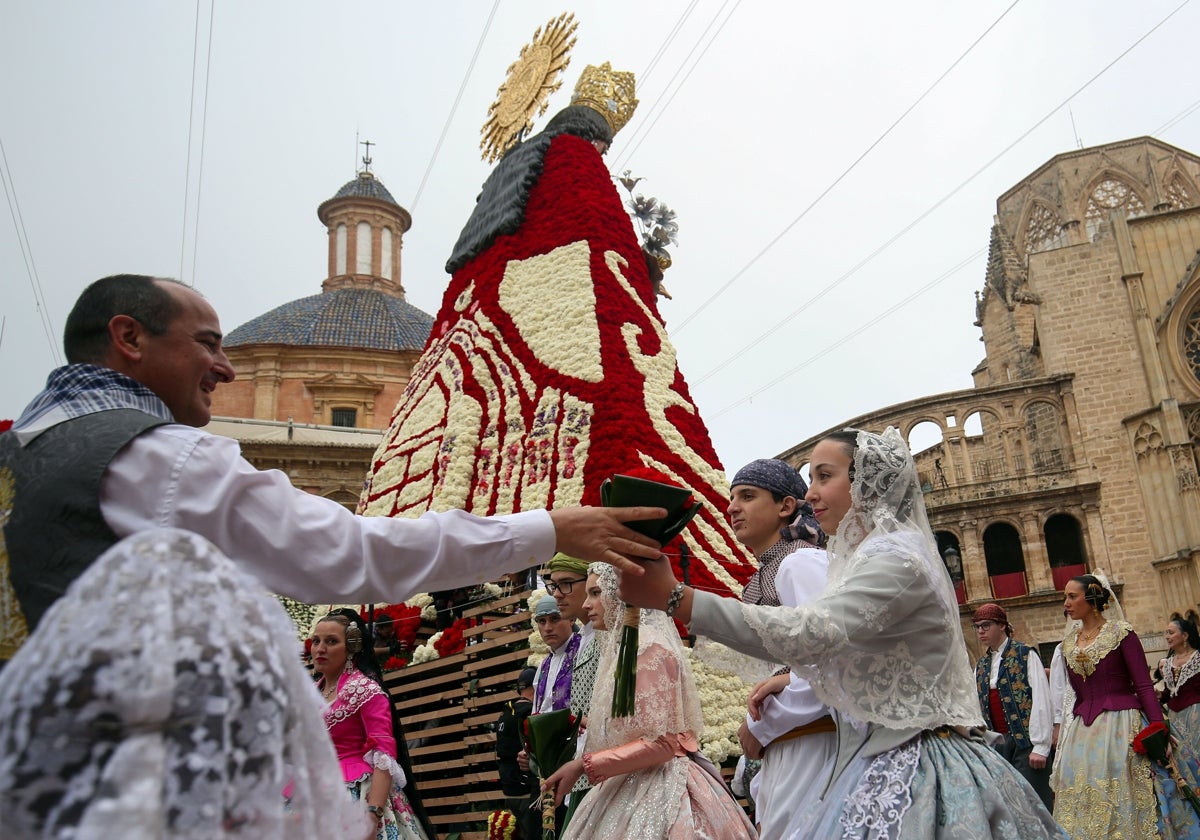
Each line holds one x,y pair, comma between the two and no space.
163,696
883,643
883,796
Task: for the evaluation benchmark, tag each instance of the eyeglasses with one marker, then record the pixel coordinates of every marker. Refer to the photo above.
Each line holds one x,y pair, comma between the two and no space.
563,586
983,625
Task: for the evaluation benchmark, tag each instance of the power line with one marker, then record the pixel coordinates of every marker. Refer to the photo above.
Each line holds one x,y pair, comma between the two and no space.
39,297
841,177
1175,120
936,205
855,333
454,108
203,133
644,128
670,39
187,167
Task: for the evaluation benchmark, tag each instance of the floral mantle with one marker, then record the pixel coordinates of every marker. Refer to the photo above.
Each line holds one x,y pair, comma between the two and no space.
548,370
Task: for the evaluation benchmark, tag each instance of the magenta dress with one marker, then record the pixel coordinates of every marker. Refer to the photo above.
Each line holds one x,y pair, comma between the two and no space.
359,720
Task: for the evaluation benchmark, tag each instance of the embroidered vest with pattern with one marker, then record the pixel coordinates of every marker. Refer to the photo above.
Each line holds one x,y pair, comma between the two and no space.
1012,684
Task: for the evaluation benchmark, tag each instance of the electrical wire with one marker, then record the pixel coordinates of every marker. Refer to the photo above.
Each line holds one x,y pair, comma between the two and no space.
643,130
936,205
187,166
39,297
1175,120
203,134
453,108
854,333
787,229
666,43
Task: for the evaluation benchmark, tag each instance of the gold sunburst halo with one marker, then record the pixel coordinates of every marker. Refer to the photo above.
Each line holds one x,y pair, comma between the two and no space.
532,78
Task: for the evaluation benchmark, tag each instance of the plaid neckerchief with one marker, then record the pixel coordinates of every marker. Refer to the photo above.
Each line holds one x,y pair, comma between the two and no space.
79,390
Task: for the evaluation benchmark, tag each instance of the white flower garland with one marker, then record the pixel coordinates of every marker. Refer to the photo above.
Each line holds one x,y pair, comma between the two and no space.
723,700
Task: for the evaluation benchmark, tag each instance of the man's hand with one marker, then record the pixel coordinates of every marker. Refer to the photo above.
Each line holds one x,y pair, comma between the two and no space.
523,761
766,688
598,534
1037,762
751,747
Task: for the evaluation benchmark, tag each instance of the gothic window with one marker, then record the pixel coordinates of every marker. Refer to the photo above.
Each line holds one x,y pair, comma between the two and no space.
1043,230
1178,195
1191,340
1111,194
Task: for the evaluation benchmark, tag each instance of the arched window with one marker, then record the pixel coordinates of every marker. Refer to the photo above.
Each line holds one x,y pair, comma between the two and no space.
1191,340
385,254
1005,560
1043,231
1178,194
948,547
362,263
341,250
1111,194
1064,544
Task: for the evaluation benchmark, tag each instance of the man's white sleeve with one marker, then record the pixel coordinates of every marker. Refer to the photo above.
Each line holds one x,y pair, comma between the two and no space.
305,546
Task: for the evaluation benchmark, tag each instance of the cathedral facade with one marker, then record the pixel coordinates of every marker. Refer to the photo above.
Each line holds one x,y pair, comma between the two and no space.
1076,449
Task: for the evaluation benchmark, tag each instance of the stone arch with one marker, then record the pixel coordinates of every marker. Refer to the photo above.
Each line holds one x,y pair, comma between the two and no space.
1189,340
344,498
1065,547
1041,228
1110,190
1005,560
926,439
1179,191
947,542
1041,421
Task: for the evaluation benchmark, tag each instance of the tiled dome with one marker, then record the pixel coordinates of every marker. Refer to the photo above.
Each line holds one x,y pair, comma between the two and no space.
366,185
361,318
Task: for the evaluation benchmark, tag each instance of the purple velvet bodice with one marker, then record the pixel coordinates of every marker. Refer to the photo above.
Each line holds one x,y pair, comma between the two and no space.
1121,681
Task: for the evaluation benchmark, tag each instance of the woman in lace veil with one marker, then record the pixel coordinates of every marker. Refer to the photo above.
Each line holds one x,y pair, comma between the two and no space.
163,696
650,781
882,646
362,726
1102,788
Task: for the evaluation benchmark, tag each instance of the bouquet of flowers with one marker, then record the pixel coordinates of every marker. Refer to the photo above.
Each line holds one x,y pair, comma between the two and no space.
642,486
1154,742
550,742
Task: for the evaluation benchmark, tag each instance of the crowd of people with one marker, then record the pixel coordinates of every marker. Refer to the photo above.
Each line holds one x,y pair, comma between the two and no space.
185,712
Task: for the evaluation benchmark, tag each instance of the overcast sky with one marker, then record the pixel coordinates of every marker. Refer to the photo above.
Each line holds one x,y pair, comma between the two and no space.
748,113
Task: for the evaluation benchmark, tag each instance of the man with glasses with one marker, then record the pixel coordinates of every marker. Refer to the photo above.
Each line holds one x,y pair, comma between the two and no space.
1015,698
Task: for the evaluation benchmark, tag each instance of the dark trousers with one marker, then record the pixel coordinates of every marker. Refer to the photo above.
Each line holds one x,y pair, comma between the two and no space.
1039,780
528,811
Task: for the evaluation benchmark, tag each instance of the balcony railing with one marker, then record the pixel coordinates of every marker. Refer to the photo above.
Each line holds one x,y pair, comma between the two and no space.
993,478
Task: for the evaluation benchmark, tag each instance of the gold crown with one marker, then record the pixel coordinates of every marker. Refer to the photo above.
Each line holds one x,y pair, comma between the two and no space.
608,91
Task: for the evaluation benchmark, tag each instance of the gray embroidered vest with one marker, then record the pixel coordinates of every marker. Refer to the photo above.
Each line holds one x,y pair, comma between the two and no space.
53,528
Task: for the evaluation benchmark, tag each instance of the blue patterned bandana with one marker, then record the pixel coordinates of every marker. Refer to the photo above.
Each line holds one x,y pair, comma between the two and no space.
78,390
780,477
